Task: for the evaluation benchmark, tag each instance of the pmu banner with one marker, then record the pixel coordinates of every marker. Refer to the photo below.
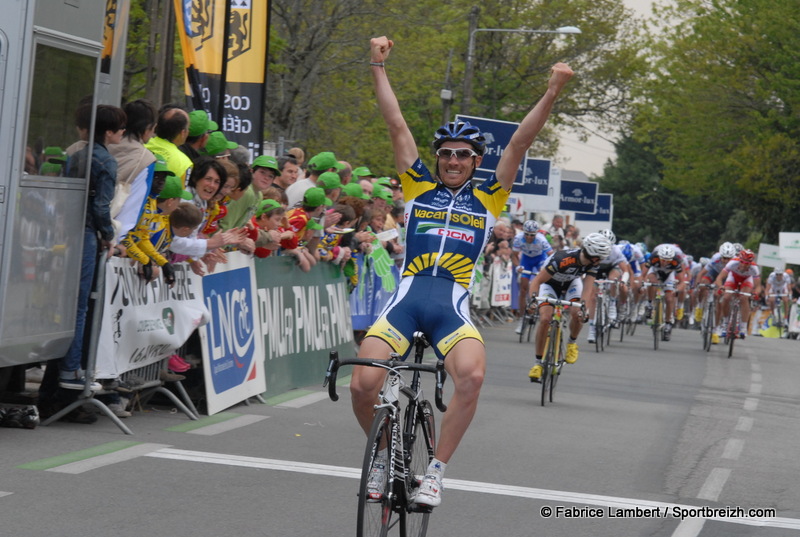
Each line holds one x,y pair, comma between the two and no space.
225,44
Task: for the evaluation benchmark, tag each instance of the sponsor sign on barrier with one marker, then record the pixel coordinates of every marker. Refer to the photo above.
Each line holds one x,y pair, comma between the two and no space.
145,323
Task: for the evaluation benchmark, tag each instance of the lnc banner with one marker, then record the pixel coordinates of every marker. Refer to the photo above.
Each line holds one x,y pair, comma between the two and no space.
231,91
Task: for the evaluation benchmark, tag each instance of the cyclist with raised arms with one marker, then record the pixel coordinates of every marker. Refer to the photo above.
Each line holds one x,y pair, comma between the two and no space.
743,274
531,249
448,221
561,278
664,266
708,275
779,283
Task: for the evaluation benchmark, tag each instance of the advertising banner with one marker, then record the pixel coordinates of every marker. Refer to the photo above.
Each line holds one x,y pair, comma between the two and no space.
225,44
502,276
232,341
789,244
145,323
769,255
303,315
578,196
605,211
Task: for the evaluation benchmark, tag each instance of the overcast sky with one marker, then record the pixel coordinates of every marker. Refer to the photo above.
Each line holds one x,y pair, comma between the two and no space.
590,156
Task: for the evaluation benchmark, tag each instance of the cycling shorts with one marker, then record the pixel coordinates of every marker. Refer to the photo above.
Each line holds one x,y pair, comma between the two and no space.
533,264
572,292
438,307
738,281
667,278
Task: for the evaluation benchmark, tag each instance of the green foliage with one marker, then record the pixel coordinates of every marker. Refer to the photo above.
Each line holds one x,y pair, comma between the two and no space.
721,106
645,209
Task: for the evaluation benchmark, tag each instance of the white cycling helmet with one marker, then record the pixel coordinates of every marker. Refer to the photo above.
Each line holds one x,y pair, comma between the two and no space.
666,252
530,226
607,233
738,247
596,245
727,250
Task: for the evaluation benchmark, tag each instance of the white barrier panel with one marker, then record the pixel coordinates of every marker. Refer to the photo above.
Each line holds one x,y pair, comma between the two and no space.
789,247
144,323
502,273
233,353
769,255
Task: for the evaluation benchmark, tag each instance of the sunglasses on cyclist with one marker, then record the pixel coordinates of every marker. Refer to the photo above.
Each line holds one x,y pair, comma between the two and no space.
460,154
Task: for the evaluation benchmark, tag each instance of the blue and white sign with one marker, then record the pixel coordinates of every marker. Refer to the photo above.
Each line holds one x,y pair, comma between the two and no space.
498,134
536,180
605,210
578,196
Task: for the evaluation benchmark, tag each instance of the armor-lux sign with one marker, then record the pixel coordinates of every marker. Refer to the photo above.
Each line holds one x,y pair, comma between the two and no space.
605,210
578,196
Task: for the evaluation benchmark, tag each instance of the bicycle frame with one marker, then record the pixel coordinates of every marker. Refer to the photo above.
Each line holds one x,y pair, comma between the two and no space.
732,331
658,312
602,322
554,347
401,482
709,321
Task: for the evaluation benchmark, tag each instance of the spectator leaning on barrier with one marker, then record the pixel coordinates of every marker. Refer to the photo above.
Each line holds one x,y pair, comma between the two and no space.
273,234
200,126
243,202
172,129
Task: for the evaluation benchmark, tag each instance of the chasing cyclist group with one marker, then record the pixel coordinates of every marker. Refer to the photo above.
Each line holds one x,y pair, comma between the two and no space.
729,274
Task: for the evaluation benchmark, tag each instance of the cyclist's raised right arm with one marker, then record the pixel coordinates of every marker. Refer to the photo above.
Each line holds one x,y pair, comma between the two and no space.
405,148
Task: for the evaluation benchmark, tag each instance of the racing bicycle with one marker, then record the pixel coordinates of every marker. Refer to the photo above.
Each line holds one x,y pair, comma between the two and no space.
555,346
709,320
408,434
732,327
658,313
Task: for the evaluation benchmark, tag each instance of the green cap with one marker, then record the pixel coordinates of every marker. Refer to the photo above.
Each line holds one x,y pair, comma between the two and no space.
313,224
324,161
363,171
50,168
329,181
217,144
266,206
385,181
161,166
315,197
379,191
173,188
354,190
55,154
267,161
199,123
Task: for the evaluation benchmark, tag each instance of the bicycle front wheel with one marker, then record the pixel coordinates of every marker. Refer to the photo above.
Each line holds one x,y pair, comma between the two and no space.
421,446
656,323
555,368
549,360
733,330
375,513
599,323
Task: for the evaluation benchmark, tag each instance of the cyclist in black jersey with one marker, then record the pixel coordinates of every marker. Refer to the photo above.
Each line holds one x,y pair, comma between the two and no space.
447,225
561,278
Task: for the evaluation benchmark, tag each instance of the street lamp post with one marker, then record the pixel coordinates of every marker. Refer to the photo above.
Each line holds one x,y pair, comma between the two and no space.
469,68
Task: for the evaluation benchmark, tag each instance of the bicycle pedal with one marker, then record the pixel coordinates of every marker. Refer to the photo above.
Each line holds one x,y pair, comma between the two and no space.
417,508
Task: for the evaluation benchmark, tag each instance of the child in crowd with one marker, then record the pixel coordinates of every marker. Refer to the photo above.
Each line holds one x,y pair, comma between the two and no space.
273,233
330,246
151,238
303,220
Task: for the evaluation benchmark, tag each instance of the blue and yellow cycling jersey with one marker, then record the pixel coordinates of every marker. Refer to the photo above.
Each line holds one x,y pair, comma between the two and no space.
446,231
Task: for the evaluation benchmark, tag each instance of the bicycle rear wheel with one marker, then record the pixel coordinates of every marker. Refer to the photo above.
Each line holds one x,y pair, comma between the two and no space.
421,447
375,514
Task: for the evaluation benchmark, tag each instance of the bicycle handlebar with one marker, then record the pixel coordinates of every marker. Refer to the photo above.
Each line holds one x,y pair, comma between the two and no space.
335,363
560,302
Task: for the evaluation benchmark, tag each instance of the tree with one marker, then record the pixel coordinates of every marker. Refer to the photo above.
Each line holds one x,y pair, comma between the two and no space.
721,106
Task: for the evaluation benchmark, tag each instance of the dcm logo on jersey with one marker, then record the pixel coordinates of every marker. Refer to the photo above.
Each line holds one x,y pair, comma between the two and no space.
461,234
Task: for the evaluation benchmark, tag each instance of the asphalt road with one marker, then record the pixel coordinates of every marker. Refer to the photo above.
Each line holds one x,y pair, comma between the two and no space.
637,443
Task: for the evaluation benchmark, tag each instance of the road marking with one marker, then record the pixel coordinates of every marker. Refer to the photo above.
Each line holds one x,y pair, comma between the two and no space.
300,402
209,421
733,449
458,484
756,377
82,461
5,493
751,404
689,527
755,389
745,424
229,425
714,483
